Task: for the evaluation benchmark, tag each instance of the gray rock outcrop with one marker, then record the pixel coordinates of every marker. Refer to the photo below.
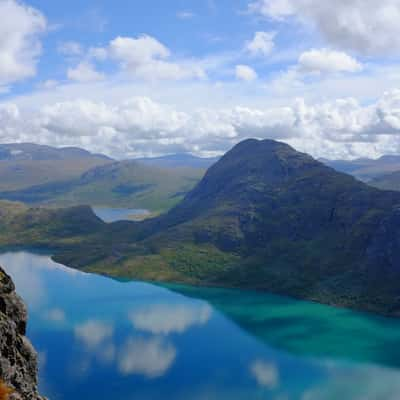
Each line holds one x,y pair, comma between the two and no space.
18,359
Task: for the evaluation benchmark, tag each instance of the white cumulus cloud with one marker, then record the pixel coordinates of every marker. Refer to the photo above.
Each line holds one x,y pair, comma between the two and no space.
20,30
84,72
245,73
325,60
342,128
144,57
365,26
277,9
261,44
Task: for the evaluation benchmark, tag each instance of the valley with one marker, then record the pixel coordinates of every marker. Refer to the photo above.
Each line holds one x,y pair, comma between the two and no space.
52,177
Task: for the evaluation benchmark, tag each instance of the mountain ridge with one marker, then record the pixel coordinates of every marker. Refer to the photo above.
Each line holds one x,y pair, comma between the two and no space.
23,165
389,181
179,160
28,150
366,169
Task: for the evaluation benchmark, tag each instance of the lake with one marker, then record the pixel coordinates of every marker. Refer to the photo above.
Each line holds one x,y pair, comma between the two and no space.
108,214
99,338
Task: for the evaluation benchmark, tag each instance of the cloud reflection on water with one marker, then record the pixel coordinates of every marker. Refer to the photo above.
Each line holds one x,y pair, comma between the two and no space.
149,357
25,268
265,373
355,382
93,333
169,318
56,315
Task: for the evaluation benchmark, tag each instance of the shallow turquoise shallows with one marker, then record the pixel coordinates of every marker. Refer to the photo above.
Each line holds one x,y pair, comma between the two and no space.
98,338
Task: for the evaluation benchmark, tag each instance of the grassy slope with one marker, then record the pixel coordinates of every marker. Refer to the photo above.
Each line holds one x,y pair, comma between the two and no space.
41,227
16,175
130,184
120,184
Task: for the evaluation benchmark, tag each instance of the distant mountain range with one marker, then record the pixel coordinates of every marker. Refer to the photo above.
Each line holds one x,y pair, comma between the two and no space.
263,217
43,175
387,182
179,160
26,164
366,169
36,152
126,184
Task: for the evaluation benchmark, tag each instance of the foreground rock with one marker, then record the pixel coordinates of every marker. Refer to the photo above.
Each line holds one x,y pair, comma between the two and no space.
18,359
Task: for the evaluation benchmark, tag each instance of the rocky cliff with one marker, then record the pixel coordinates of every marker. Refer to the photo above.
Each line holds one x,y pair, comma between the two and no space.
18,359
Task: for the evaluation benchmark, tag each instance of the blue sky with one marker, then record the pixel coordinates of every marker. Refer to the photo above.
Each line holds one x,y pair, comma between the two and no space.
133,78
191,29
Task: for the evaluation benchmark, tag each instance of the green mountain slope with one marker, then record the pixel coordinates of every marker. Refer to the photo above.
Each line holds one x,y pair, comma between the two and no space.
48,228
263,217
119,184
23,165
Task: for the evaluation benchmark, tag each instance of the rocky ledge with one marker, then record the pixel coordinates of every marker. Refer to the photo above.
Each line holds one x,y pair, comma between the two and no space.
18,359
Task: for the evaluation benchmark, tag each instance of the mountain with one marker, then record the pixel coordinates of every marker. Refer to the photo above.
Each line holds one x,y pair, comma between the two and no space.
25,164
118,184
387,182
366,169
18,360
31,151
263,217
179,160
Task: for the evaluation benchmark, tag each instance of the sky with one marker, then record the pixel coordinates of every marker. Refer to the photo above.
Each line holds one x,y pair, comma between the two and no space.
133,78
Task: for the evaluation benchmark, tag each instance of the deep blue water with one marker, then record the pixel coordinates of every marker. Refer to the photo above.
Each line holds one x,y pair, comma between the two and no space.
98,338
108,214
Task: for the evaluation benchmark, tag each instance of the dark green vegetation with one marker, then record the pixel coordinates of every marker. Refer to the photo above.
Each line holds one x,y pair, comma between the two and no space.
366,169
48,228
25,165
387,182
264,217
115,184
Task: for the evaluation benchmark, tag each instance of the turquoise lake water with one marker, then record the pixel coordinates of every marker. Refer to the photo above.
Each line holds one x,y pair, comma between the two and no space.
98,338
